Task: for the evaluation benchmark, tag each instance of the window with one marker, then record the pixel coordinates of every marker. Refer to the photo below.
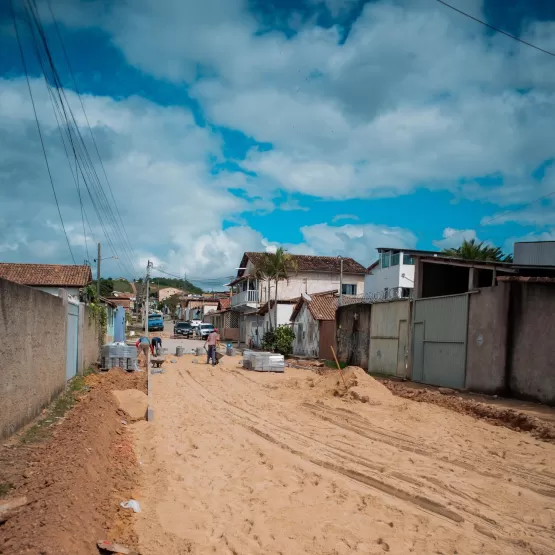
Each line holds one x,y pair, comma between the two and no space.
408,260
395,259
349,289
385,259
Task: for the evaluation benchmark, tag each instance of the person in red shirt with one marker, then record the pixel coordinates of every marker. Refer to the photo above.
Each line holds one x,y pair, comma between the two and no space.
211,342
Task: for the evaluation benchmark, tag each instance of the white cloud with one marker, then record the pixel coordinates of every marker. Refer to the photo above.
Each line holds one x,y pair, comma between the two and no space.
452,238
339,217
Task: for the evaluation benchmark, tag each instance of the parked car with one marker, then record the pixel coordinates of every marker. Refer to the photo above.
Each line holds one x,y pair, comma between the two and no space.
183,328
155,322
195,323
205,329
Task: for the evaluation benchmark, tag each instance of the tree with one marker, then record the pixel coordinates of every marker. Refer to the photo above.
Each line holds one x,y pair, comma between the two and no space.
278,266
106,287
172,303
472,250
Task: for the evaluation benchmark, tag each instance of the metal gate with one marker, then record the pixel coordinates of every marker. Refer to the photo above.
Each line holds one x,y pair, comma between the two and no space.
389,338
72,339
439,341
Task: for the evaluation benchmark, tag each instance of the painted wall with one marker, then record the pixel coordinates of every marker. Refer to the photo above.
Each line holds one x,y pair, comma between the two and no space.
486,350
72,292
88,339
32,353
380,278
307,334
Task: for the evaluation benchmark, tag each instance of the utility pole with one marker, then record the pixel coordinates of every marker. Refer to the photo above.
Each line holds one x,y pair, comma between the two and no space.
340,280
98,274
148,267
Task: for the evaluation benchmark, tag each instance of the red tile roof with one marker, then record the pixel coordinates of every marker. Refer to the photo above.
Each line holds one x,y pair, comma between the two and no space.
322,306
224,303
46,275
309,263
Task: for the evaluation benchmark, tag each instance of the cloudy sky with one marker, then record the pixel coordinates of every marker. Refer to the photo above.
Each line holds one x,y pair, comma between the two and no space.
328,126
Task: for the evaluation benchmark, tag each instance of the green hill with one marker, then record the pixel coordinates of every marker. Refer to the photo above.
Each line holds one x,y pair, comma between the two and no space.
122,285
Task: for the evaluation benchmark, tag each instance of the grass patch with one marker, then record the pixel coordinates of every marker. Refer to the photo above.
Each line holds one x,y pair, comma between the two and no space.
331,364
42,429
123,286
5,488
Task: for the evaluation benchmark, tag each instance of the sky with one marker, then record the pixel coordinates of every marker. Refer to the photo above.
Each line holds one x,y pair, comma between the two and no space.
329,127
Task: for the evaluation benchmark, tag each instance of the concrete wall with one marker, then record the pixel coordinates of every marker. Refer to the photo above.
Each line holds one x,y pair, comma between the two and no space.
307,334
88,339
353,334
532,341
389,278
486,350
32,353
72,292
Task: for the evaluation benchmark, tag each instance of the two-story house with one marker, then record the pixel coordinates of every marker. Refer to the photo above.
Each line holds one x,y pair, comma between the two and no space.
313,274
392,275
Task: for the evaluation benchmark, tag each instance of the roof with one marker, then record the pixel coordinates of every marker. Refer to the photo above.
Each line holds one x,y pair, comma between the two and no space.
322,306
372,266
47,275
309,263
224,304
527,279
408,251
504,266
264,308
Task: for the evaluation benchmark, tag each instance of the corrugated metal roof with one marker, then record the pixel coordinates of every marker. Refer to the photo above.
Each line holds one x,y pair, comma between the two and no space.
46,275
527,279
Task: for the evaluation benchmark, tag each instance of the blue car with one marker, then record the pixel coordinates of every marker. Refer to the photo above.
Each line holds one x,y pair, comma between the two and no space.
155,322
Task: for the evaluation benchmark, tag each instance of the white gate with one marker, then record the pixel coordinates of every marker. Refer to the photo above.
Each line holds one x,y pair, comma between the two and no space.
72,339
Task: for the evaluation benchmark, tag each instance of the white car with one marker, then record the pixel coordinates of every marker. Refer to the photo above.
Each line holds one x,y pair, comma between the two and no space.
195,323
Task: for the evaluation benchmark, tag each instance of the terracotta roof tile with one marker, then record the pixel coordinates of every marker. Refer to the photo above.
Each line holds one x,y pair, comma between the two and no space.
322,306
225,303
49,275
309,263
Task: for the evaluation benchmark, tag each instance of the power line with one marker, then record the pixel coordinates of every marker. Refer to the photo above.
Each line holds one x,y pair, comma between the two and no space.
38,126
496,28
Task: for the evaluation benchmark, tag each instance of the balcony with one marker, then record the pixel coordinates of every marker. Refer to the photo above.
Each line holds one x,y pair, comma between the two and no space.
245,299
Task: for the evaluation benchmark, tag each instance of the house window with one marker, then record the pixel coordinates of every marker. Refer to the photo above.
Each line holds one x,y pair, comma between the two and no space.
395,259
385,259
408,260
349,289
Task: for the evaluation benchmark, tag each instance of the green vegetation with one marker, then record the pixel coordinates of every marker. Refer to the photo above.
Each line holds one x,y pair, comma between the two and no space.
331,364
157,283
5,488
171,302
471,250
106,286
123,286
42,429
279,340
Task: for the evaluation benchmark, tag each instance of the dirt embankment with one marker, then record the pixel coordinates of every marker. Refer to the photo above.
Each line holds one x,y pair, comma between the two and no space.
75,479
497,416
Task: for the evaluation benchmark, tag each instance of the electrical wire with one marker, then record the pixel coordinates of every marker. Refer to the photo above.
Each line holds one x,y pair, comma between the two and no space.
16,28
496,28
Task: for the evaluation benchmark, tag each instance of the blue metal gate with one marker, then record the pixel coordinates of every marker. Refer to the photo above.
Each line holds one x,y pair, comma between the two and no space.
72,339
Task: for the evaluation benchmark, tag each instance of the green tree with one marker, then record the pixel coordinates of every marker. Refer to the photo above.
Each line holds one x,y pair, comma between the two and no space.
106,286
278,266
172,303
472,250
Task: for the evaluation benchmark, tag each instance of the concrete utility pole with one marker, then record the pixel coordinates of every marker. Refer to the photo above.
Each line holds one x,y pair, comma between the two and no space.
98,274
340,280
148,267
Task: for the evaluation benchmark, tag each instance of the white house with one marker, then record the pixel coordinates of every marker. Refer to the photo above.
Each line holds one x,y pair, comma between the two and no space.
314,274
392,275
49,278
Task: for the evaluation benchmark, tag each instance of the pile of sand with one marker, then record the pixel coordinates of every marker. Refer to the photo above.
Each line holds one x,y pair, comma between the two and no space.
133,402
352,383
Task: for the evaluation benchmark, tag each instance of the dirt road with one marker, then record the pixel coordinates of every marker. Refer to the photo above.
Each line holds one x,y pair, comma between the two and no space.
240,462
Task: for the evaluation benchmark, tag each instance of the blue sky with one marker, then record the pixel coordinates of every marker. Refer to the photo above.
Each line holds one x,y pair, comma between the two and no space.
328,126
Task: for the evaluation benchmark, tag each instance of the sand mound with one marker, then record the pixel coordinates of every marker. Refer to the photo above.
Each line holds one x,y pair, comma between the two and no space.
355,384
133,402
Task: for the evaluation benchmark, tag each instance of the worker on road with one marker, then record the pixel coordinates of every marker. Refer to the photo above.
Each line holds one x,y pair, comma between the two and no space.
211,342
155,345
143,344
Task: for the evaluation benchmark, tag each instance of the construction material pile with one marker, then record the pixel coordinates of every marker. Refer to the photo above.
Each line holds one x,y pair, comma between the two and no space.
119,355
263,361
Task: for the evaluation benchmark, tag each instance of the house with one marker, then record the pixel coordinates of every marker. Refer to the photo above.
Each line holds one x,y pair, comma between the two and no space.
166,292
124,302
195,307
313,321
392,275
49,278
225,320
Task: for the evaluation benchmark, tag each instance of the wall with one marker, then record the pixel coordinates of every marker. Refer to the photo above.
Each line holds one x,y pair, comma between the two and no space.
486,350
532,341
380,278
307,334
88,340
71,291
32,353
353,333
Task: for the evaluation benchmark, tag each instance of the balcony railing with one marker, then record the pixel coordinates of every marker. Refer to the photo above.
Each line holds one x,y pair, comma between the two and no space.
245,297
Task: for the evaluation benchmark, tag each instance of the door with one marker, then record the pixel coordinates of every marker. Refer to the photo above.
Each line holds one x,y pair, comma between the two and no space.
440,330
402,349
72,339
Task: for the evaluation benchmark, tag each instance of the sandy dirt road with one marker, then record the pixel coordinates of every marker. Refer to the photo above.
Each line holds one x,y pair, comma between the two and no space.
239,462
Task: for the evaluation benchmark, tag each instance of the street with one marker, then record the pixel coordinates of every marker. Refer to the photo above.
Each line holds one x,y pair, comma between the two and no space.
240,462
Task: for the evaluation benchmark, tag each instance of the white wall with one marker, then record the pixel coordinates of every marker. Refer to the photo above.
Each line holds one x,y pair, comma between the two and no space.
408,280
380,278
72,292
307,334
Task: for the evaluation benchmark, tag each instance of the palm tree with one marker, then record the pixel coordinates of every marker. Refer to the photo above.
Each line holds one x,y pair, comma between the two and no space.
472,250
277,266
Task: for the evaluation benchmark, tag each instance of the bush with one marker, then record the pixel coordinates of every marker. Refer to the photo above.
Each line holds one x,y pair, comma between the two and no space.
283,343
269,340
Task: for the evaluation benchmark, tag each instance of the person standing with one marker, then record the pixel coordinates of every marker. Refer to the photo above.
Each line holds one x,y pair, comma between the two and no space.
211,342
155,345
143,344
